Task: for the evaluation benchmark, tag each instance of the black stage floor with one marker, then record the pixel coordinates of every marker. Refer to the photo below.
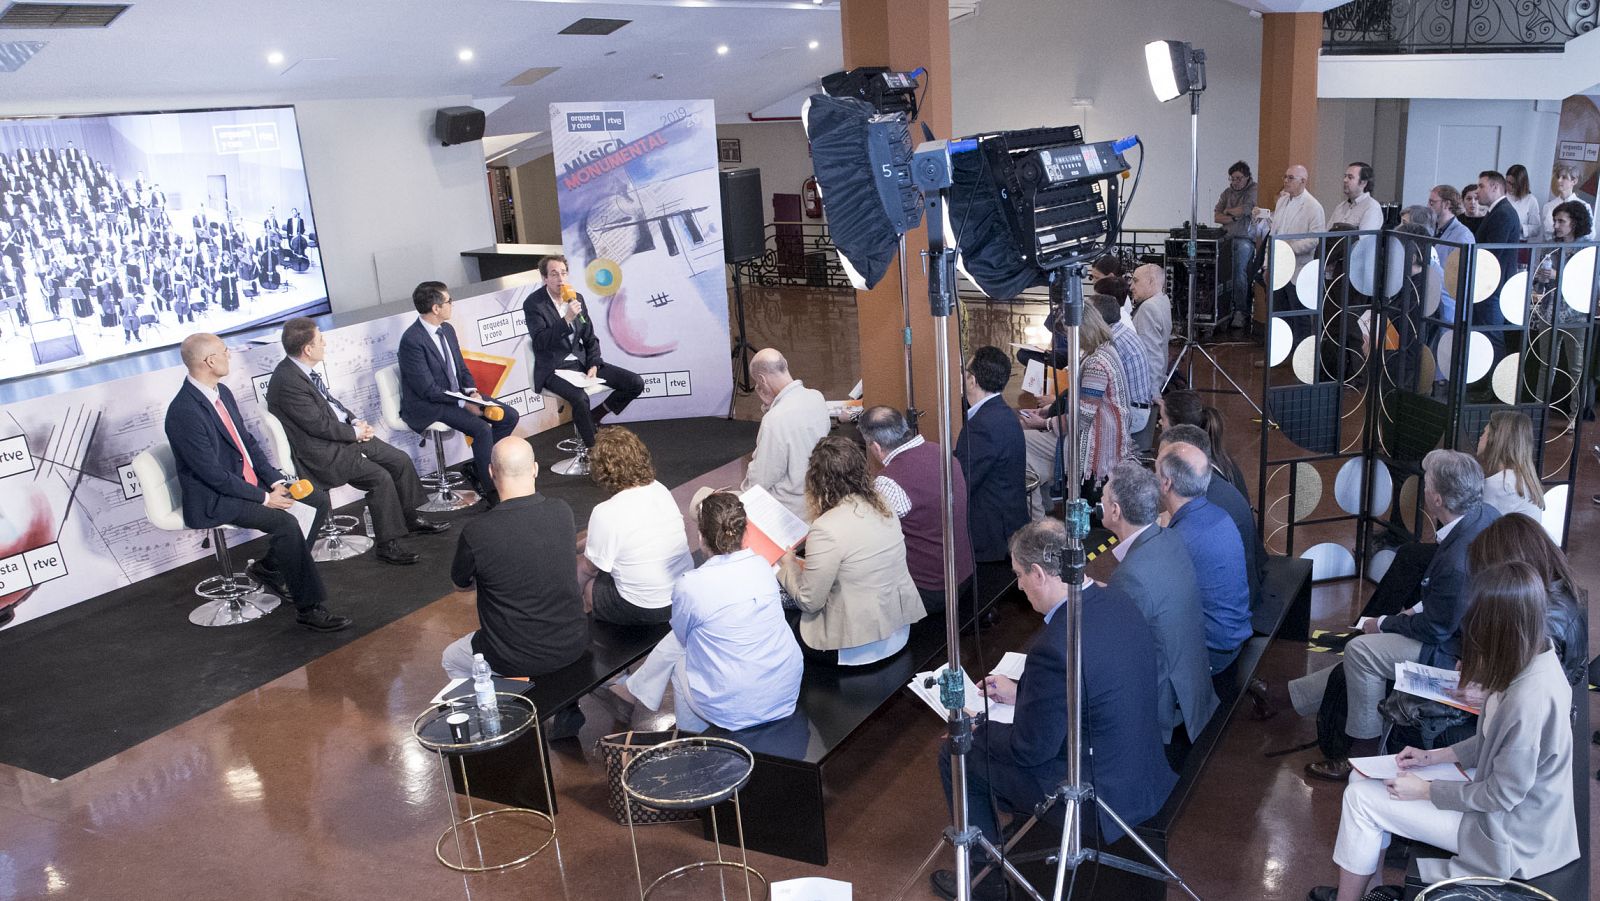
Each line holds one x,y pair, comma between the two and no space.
83,684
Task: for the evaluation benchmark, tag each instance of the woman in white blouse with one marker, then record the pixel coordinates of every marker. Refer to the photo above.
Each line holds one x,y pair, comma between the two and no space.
1506,451
1518,194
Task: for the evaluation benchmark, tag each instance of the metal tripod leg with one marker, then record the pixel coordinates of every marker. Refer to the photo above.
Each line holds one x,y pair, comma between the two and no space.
1189,345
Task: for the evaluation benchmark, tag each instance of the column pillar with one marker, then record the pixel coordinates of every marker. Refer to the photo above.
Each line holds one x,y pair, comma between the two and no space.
1290,46
903,35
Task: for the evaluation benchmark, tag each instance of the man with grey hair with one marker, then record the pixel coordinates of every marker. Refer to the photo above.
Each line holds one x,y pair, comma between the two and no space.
1217,553
1222,493
795,418
1153,570
1152,319
1418,214
911,484
1430,632
1019,763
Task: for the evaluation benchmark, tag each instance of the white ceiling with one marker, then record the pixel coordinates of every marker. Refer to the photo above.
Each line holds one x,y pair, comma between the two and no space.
170,50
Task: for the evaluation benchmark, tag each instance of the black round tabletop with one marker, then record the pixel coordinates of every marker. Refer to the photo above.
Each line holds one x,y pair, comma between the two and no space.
688,774
516,715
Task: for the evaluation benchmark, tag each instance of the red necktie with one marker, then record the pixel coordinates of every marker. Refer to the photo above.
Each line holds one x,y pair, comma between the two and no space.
246,469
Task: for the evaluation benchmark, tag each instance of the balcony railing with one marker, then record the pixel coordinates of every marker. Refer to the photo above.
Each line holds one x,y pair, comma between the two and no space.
1382,27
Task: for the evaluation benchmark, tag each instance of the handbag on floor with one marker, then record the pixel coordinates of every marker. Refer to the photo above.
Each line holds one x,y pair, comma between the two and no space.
617,750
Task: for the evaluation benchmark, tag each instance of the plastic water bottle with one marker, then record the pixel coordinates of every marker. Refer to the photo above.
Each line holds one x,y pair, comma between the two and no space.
483,691
366,522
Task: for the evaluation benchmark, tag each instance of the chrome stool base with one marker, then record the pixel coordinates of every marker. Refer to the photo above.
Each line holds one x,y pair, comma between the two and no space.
336,542
703,866
233,601
578,463
453,832
448,500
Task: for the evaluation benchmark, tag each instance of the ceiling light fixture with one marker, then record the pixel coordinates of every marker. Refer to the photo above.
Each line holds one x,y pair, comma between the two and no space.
722,49
465,55
275,58
814,45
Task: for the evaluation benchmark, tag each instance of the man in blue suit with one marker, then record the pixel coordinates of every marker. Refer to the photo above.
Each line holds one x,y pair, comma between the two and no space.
226,479
993,456
1022,762
1501,225
430,365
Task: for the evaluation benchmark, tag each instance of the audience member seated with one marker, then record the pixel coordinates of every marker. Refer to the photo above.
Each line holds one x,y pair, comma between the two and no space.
1104,439
227,480
993,456
1152,319
636,548
1135,372
1515,818
910,482
1514,538
731,658
1019,763
1184,473
1428,633
431,365
856,598
1105,266
563,339
793,419
1358,209
333,447
1154,571
1186,407
1221,493
1505,450
530,614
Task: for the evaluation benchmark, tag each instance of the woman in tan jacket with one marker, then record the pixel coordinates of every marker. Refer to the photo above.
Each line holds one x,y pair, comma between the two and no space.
1514,818
857,601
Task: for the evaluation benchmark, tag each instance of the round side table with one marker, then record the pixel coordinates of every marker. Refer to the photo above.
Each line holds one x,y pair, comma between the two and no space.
691,774
517,715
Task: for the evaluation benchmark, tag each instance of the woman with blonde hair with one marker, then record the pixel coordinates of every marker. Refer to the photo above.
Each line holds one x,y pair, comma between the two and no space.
856,597
1506,451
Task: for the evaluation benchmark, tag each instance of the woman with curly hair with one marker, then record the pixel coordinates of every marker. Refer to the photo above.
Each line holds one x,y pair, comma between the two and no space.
856,598
636,547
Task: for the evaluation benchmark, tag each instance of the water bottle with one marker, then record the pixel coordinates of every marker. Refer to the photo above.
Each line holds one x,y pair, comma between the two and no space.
366,522
483,691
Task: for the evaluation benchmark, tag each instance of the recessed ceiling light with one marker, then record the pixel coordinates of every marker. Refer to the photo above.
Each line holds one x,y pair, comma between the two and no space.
817,2
814,44
275,58
465,55
722,49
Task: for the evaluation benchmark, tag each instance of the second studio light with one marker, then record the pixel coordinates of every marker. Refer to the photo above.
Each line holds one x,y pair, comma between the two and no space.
1175,69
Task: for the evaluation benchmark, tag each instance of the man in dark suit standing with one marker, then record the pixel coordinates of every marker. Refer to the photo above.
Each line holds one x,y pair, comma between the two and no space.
563,338
226,479
430,366
1022,762
1501,225
1153,570
993,454
333,447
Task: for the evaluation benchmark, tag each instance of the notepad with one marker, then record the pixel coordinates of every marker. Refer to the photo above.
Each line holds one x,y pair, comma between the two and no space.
771,530
1385,767
480,400
929,693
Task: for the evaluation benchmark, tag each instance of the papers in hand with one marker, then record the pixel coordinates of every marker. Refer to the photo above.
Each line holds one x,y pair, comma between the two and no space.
581,379
1011,665
1430,682
1386,767
480,400
811,888
1033,378
304,514
772,531
926,686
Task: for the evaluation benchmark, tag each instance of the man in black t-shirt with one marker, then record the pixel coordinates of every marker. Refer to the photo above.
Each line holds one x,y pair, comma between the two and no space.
519,558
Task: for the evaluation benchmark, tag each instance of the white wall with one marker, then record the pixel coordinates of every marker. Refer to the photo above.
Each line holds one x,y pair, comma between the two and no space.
779,150
1348,131
1020,63
389,200
1446,140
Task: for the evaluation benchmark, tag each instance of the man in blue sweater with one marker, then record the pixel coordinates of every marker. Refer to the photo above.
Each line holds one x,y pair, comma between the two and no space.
1217,553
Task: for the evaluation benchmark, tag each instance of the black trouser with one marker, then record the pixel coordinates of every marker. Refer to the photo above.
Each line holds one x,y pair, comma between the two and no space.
482,432
933,600
1402,583
289,553
393,490
625,386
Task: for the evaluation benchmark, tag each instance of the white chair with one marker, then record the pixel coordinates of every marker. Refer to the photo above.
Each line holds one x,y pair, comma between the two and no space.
334,542
445,492
231,597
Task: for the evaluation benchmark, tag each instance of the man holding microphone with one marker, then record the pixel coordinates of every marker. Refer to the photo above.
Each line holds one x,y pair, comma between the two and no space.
563,338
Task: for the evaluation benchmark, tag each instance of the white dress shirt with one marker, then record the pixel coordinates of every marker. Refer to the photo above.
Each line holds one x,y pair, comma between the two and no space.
1299,215
1363,214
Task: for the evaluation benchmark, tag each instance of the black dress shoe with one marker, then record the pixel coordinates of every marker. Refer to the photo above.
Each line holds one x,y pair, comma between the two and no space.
1260,702
428,527
991,889
391,552
270,579
1323,893
565,724
1329,770
318,619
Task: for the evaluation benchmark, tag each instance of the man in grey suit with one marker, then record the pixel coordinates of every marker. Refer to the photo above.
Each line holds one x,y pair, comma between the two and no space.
333,447
1154,570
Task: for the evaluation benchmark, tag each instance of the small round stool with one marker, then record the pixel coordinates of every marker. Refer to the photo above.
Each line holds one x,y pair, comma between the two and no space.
691,774
335,542
578,463
517,715
232,598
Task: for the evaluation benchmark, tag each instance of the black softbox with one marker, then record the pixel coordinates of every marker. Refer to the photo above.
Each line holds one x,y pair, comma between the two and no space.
838,128
990,255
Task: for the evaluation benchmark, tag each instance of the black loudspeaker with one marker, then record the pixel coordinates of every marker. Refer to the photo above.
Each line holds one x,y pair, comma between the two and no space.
743,226
458,124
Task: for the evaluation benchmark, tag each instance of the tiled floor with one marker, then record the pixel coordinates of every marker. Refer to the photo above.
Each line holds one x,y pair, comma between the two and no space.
311,787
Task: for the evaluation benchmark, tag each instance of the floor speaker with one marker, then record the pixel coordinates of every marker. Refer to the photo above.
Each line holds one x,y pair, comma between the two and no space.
743,228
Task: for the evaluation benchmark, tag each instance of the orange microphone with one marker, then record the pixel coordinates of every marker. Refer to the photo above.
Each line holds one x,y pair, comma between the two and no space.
568,295
300,490
494,413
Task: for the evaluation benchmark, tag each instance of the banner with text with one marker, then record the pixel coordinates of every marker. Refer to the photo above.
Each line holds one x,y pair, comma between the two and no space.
641,224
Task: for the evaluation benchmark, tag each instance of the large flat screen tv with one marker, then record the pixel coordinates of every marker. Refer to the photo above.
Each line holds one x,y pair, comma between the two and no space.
124,233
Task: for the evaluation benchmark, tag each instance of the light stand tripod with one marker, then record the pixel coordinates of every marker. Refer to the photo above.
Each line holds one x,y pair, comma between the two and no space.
1191,250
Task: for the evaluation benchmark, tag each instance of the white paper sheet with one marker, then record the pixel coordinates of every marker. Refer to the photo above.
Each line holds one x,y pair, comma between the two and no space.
304,514
1385,767
480,401
581,380
998,712
1429,682
1010,666
1033,378
772,521
811,888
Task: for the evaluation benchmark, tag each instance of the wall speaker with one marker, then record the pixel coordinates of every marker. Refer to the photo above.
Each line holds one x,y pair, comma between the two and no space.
743,227
458,124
